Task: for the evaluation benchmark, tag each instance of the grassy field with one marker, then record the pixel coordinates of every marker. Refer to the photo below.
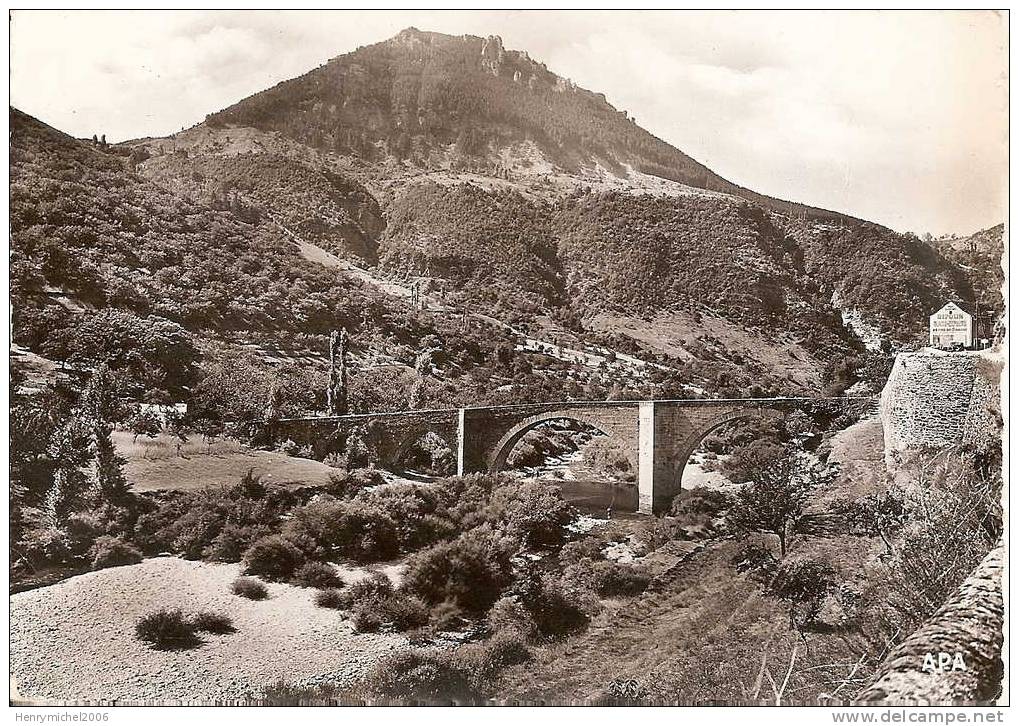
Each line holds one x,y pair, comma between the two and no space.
154,464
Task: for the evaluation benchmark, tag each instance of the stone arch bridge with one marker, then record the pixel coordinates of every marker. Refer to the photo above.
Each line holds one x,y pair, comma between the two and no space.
658,436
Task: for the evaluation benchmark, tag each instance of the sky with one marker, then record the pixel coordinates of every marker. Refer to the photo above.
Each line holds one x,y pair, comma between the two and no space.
896,117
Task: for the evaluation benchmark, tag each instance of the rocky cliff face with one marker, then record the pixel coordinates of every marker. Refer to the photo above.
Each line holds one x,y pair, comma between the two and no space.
955,657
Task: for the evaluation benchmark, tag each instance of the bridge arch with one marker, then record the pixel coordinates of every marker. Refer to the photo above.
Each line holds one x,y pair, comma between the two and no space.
685,448
407,438
501,451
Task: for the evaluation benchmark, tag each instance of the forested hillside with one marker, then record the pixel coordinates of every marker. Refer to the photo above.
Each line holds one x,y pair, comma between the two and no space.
399,157
979,257
316,204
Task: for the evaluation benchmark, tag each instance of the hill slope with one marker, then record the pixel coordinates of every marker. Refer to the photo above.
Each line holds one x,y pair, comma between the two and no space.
481,174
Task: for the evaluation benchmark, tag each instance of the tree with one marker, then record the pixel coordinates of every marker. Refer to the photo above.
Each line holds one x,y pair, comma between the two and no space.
145,422
336,390
773,499
881,515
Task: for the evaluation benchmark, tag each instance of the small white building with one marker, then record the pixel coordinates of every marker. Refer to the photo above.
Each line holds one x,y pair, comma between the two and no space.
951,326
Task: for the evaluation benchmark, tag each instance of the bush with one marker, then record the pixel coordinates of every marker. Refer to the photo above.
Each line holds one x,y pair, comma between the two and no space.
699,501
250,588
757,561
403,612
45,546
554,611
612,579
112,552
347,483
484,661
465,674
282,693
229,545
344,528
209,622
535,513
83,530
804,584
274,558
508,615
447,616
216,523
331,598
589,548
318,575
419,673
167,630
374,603
470,571
375,586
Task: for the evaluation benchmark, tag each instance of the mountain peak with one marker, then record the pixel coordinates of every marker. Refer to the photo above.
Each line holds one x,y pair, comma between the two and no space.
421,97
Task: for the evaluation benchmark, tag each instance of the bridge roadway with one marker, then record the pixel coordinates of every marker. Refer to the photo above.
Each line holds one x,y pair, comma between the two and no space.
658,436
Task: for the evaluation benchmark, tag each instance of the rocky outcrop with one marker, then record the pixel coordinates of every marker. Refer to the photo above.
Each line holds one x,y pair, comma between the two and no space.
955,657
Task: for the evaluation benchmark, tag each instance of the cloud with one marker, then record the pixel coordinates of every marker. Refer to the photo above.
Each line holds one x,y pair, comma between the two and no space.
899,117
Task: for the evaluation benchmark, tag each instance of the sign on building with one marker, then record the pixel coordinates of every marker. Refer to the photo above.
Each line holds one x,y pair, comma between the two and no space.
951,326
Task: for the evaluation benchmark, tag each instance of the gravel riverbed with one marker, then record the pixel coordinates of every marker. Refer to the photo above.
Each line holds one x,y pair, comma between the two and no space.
74,641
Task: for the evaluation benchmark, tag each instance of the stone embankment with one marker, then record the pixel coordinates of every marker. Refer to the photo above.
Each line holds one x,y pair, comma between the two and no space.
955,657
937,399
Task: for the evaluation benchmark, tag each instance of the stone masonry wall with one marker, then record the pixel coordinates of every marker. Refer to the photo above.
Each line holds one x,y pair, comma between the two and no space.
970,625
936,399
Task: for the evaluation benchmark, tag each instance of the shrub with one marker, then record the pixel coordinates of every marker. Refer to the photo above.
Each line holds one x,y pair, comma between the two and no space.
347,528
534,512
274,558
112,552
282,693
318,575
554,611
804,584
167,630
447,616
470,571
419,673
485,660
403,612
83,529
374,603
229,545
347,483
581,549
757,561
509,615
699,501
482,662
209,622
614,579
250,588
331,598
217,523
45,545
376,585
289,447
